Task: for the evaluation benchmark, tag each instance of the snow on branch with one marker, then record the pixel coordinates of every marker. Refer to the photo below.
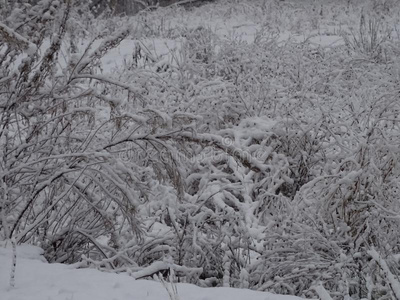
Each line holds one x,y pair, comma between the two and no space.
322,292
218,142
13,38
159,266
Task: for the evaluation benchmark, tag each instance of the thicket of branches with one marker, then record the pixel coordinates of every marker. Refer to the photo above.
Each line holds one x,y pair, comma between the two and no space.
272,166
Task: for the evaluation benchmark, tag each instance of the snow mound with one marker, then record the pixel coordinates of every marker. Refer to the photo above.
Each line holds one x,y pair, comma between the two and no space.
38,280
23,252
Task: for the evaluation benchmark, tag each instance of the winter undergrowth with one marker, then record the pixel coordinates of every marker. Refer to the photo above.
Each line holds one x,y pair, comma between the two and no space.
251,161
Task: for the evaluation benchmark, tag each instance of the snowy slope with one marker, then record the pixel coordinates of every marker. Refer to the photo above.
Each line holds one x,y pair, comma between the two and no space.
38,280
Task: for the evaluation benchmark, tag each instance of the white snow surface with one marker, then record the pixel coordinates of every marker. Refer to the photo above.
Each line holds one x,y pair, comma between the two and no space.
38,280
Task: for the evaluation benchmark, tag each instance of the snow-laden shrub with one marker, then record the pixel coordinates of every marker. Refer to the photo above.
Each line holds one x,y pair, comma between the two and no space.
270,165
58,181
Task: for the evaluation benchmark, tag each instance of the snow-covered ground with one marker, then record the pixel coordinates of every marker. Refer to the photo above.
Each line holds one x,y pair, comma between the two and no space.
38,280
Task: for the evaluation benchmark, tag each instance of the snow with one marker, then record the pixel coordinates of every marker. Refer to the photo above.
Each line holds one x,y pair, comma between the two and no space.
38,280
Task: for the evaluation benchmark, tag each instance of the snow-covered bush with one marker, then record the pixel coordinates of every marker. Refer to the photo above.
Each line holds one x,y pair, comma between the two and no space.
58,180
371,39
270,165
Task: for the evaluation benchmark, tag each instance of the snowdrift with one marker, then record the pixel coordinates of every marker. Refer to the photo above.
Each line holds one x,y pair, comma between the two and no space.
38,280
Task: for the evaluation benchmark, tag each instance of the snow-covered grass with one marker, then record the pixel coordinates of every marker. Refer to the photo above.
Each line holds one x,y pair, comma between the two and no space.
38,280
